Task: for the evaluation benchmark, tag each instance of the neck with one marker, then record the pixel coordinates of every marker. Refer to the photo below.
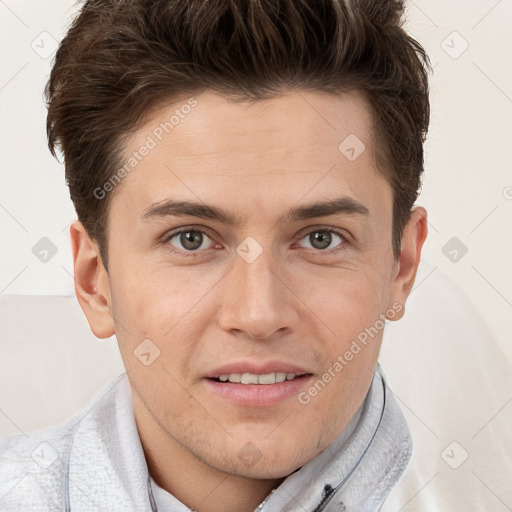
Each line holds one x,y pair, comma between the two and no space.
210,490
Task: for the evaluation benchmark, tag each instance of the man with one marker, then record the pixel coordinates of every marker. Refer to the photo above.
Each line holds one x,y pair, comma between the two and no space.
244,175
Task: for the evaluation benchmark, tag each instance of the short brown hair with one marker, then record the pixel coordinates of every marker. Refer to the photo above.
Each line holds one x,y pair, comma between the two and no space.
121,59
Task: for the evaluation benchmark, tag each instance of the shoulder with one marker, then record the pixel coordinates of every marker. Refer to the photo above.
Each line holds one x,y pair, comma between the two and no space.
31,469
34,467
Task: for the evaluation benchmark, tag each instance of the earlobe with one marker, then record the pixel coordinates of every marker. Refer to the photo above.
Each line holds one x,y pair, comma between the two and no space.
92,284
413,238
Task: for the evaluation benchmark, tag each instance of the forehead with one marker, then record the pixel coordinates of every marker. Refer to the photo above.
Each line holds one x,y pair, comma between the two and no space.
301,143
218,124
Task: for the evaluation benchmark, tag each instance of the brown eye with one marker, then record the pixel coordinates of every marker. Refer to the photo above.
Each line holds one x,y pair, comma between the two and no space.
191,240
322,239
188,240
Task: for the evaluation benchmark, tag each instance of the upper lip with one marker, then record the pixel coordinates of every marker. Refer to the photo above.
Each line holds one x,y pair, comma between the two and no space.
256,368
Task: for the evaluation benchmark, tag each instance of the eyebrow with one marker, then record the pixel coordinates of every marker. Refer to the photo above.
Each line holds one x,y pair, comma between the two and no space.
170,207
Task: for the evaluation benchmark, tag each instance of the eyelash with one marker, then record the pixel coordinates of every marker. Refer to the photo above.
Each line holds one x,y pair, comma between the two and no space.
194,254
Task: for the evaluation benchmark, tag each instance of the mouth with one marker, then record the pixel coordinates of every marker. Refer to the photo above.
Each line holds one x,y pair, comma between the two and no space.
258,389
262,379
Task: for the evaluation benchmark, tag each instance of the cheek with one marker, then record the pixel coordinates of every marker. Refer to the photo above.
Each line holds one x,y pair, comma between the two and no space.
348,302
352,309
350,351
151,299
170,307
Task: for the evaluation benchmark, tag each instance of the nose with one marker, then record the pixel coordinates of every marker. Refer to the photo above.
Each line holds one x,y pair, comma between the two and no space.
257,300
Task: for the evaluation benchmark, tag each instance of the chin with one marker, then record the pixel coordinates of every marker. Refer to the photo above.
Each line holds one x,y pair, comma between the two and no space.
269,471
249,462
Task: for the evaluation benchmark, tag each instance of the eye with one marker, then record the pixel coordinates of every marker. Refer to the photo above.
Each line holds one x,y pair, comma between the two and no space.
321,239
188,241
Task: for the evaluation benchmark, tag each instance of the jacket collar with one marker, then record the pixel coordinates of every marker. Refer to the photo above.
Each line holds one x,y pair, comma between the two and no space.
106,465
356,472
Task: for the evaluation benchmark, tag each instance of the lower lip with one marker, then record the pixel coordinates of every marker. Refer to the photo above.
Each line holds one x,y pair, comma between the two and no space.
258,395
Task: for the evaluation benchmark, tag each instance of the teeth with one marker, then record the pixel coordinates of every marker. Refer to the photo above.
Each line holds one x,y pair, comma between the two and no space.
251,378
267,378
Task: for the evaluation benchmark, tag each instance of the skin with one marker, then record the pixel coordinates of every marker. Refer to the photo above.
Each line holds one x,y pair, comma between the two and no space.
294,303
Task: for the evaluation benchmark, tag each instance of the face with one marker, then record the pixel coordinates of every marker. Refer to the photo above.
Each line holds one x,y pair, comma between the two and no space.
247,244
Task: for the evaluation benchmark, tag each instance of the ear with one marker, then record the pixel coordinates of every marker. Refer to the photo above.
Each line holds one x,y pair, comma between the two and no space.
92,284
414,235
